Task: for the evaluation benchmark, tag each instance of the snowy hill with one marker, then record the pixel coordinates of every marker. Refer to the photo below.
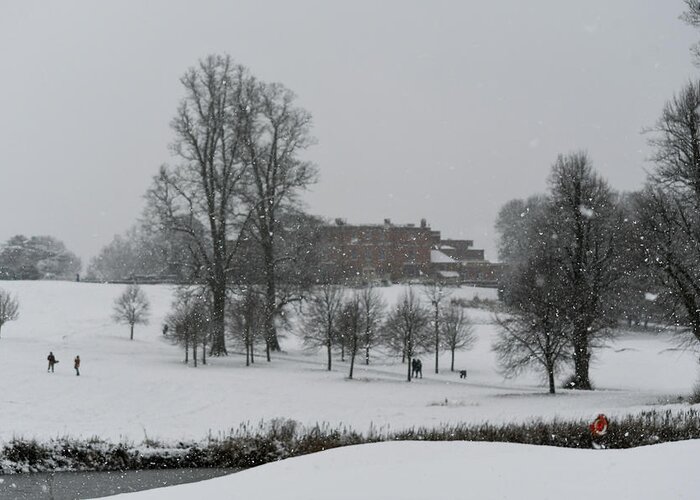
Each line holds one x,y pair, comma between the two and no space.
459,470
133,389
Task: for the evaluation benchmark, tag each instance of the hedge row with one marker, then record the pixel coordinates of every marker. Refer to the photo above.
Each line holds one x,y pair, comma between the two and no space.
248,447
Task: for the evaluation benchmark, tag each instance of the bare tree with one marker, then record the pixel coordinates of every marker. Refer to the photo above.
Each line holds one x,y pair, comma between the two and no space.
436,293
321,319
350,325
189,321
131,308
668,209
373,309
9,307
585,220
247,319
581,214
456,330
202,197
275,132
692,17
535,331
406,327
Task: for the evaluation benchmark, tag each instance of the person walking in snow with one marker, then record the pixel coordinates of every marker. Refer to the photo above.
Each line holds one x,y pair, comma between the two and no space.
52,361
76,365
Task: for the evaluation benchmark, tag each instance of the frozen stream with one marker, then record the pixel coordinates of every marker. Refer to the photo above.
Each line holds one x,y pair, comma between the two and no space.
75,485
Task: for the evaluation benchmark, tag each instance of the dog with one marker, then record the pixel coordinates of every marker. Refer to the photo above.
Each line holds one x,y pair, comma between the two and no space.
462,373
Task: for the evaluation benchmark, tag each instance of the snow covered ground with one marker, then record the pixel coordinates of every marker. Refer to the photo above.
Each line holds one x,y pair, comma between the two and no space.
457,471
136,389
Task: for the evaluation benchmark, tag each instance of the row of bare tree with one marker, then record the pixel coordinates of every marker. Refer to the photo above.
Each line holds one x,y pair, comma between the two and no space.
344,322
354,321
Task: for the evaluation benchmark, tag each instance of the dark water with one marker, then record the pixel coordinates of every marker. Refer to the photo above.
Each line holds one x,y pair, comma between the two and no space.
74,485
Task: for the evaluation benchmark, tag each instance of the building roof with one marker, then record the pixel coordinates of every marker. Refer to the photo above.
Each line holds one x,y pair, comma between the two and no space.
437,257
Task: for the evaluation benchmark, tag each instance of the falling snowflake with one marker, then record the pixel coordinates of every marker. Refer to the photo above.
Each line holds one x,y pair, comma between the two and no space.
586,211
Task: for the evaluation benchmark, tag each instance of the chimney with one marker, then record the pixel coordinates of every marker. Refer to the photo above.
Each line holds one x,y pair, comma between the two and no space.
423,223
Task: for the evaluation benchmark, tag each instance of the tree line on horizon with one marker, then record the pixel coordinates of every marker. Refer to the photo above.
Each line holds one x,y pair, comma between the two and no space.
37,258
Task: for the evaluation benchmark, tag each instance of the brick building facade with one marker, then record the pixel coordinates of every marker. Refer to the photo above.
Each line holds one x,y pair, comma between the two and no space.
376,251
392,252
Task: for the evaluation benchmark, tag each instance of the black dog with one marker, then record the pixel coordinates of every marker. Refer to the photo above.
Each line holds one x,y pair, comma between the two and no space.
462,373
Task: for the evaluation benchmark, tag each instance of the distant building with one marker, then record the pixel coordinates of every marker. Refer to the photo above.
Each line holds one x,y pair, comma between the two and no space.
400,252
376,251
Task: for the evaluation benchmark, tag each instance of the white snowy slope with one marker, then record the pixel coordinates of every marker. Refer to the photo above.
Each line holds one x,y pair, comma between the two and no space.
459,471
129,390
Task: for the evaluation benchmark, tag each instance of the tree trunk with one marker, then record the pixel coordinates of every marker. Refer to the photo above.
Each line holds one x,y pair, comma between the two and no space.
267,350
131,337
353,353
204,349
367,354
581,362
408,375
194,352
218,340
452,364
342,351
187,349
437,337
330,354
247,353
550,374
270,294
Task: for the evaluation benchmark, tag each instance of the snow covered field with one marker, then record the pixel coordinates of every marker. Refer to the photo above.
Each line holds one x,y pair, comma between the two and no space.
137,389
457,471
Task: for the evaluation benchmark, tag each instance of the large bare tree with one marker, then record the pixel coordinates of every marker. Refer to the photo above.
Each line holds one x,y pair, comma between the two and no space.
585,221
275,132
202,196
581,217
692,17
668,209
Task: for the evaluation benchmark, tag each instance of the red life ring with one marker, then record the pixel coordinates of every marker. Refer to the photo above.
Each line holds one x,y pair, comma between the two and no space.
599,426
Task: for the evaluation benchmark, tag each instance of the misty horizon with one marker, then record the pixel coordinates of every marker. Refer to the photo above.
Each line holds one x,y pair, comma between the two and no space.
443,111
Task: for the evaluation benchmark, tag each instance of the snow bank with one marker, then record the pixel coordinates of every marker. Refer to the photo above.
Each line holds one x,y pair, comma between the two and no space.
459,470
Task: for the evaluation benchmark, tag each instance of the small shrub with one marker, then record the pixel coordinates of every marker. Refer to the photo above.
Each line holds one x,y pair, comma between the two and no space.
251,446
22,451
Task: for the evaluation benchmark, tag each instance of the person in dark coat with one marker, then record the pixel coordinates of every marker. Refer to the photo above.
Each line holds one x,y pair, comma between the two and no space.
76,365
52,361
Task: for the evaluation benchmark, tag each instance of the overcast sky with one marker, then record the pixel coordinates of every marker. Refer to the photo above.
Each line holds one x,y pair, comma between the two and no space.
435,109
